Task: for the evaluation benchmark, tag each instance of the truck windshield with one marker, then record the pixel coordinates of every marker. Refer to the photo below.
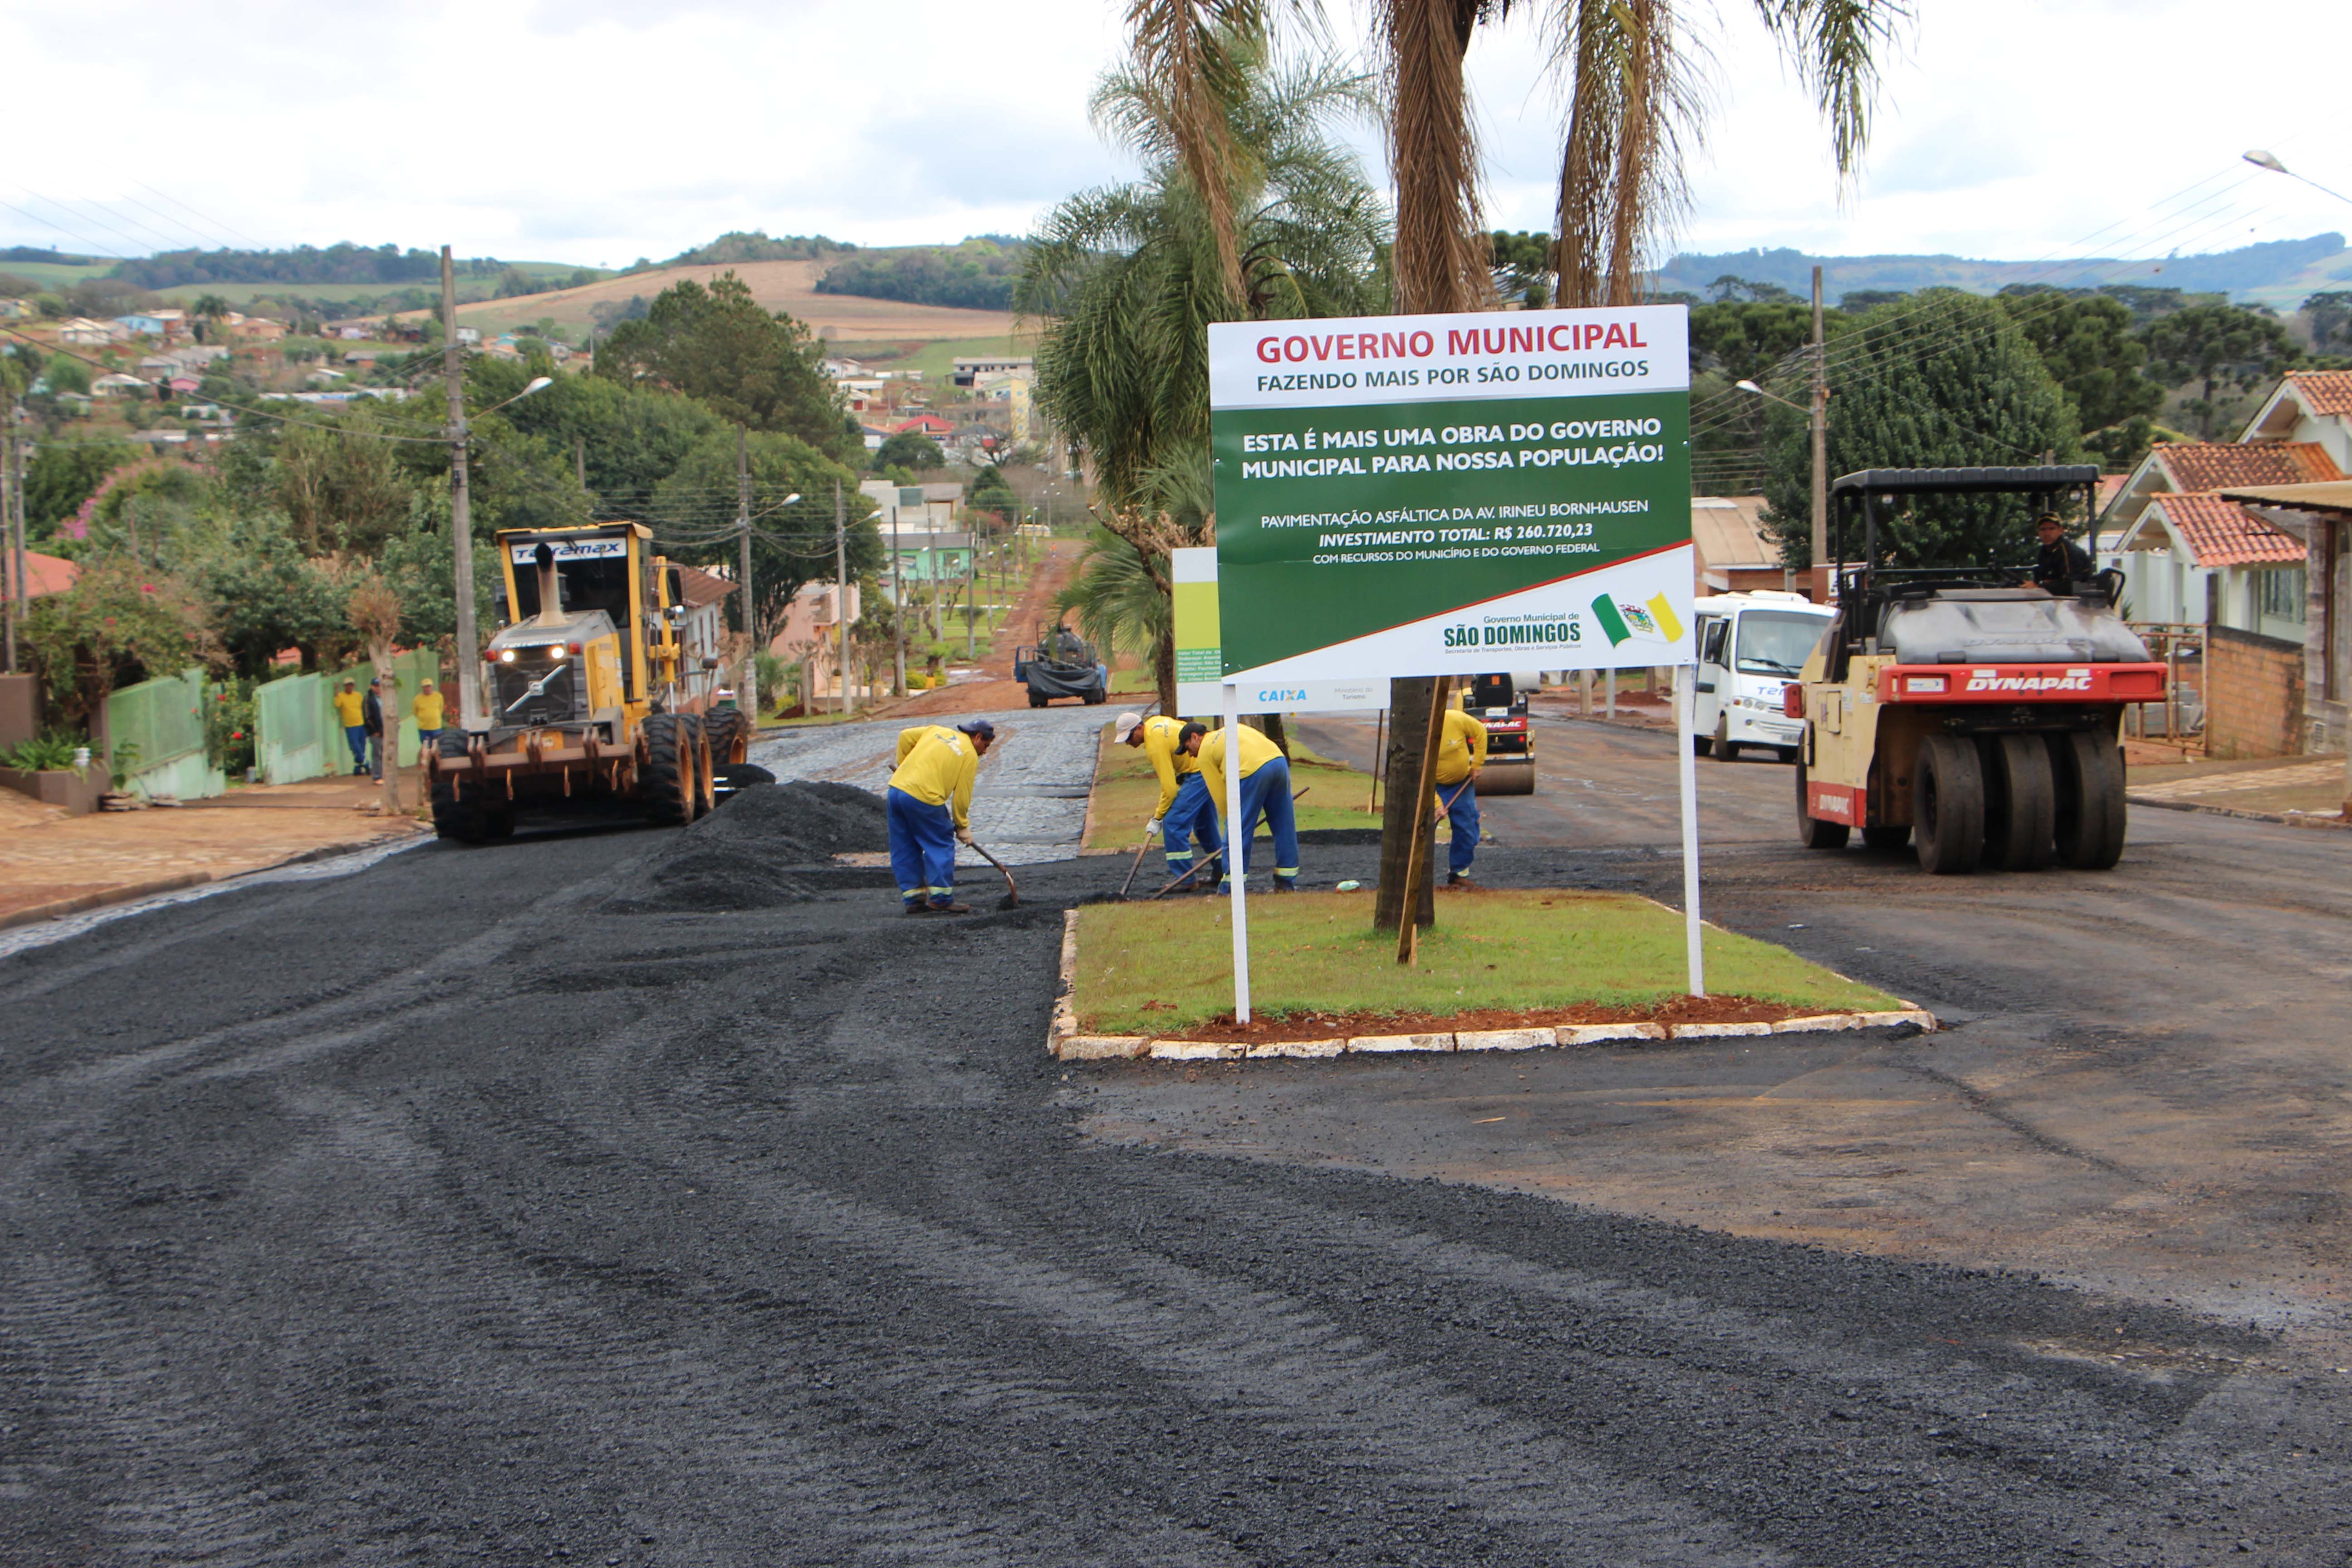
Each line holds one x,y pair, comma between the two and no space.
1776,643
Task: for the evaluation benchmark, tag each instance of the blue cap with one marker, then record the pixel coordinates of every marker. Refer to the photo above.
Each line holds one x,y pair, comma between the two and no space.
979,727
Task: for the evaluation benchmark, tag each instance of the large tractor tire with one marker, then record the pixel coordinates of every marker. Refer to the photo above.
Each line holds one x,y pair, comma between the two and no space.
1813,832
461,819
2021,802
2088,770
1948,805
728,731
1726,749
666,784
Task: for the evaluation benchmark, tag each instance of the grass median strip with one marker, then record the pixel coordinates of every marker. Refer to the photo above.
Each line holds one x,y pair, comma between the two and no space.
1494,957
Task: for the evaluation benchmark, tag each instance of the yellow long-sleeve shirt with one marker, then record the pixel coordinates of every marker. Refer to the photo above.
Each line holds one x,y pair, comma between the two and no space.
1461,748
348,706
427,708
1257,752
937,765
1169,760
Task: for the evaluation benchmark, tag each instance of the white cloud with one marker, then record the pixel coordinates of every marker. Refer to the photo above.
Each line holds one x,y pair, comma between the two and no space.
598,130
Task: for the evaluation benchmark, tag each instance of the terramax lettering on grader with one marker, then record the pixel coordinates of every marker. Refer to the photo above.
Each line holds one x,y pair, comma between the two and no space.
594,703
1967,708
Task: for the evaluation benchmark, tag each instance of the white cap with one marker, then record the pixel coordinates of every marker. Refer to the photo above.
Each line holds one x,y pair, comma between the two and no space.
1126,726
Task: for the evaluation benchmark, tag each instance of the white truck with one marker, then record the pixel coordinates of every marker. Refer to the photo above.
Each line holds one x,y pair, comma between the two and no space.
1751,646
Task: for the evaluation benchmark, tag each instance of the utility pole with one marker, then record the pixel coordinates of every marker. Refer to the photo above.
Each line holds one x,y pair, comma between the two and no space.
17,505
841,589
748,698
11,557
971,588
461,506
898,601
1820,422
580,459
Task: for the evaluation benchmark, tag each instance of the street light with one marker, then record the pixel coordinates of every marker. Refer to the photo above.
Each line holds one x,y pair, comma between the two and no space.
2262,160
1751,386
1817,419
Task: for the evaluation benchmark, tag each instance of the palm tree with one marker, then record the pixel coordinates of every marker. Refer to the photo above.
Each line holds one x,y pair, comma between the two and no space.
1125,279
1636,102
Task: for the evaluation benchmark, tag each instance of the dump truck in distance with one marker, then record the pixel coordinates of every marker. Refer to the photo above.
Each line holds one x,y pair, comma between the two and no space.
592,703
1968,710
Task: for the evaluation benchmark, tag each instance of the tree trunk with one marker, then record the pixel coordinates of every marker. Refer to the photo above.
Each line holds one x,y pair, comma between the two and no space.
1163,673
1409,703
1274,732
388,700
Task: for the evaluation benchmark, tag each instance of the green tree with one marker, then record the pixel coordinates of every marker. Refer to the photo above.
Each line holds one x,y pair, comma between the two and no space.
910,449
66,375
265,595
342,490
792,542
209,311
2086,340
1523,266
119,623
1949,380
2214,345
989,492
2330,317
751,367
64,474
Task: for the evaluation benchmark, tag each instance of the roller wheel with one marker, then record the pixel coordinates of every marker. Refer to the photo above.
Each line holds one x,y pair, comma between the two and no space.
1886,835
1785,753
1701,745
1726,750
2088,770
1948,805
1037,699
665,781
1811,831
456,818
2021,802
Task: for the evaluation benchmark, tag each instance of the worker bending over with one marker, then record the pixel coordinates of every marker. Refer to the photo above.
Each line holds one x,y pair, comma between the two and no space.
1185,812
1461,753
930,811
1265,791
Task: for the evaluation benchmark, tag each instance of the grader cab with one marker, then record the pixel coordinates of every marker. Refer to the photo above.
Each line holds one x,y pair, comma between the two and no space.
1965,708
592,700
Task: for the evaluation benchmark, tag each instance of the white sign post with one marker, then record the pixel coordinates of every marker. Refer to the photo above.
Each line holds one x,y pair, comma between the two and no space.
1234,845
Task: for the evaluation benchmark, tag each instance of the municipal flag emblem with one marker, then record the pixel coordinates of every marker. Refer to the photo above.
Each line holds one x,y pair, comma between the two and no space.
1621,621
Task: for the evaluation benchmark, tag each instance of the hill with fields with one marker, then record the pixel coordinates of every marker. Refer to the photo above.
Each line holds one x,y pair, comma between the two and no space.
2279,273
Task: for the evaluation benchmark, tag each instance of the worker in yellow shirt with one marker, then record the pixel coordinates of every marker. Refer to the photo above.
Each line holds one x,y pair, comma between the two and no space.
1185,811
1266,792
1461,753
929,802
351,712
427,707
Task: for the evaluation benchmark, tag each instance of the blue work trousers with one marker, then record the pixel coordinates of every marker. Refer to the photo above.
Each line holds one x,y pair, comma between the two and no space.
1463,815
357,737
1192,816
923,849
1266,793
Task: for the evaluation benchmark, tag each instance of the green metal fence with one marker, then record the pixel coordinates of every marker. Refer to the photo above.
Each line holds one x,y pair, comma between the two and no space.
298,733
155,733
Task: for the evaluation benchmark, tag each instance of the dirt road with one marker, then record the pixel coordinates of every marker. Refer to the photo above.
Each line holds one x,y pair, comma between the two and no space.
447,1213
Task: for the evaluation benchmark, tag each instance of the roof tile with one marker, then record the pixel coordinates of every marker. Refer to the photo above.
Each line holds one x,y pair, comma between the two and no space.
2221,465
2223,533
2324,392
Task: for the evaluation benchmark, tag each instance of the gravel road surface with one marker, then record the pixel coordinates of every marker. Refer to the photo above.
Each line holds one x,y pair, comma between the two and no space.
443,1212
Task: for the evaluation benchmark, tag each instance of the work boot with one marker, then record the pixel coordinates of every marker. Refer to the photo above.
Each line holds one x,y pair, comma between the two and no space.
1285,884
1457,879
916,907
950,909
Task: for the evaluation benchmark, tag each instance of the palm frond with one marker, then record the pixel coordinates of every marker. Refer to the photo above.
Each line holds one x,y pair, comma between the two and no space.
1835,47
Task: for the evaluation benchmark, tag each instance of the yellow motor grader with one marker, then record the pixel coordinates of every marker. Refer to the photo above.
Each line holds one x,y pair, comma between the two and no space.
1967,708
594,705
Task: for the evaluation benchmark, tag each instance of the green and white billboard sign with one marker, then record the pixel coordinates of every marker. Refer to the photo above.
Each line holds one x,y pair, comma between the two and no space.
1433,495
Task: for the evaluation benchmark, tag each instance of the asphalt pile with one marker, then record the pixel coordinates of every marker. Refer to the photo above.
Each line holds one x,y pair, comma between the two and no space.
742,856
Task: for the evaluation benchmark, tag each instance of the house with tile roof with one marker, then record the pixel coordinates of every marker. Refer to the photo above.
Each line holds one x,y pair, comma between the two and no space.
2190,556
2311,406
1733,551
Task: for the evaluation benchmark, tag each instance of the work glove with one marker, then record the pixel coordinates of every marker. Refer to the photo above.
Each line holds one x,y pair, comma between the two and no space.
1151,828
963,837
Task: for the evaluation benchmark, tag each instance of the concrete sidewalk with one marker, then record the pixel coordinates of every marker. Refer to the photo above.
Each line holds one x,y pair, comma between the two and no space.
2269,788
53,865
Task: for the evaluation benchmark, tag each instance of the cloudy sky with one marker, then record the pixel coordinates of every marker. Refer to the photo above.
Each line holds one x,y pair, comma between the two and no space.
598,130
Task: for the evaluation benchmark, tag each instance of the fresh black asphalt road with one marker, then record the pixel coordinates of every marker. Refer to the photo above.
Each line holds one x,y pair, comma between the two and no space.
486,1206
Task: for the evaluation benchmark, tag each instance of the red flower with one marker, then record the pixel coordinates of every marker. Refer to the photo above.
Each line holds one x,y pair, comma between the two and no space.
236,735
146,587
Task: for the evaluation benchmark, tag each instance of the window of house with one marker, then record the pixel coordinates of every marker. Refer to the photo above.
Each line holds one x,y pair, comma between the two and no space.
2283,594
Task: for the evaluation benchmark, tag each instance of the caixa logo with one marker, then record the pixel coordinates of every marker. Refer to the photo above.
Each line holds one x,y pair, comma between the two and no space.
1994,681
1278,695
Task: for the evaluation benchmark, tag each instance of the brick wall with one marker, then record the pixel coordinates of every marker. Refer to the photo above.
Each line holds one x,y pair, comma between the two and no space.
2253,695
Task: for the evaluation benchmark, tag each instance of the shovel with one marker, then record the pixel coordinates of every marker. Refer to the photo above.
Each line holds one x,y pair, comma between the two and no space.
1132,867
1012,898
